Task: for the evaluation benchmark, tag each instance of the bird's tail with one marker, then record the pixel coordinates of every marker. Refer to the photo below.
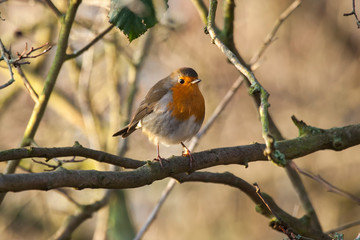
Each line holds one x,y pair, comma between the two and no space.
126,131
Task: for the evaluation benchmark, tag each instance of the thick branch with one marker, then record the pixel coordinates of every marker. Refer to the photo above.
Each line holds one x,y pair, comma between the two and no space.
335,139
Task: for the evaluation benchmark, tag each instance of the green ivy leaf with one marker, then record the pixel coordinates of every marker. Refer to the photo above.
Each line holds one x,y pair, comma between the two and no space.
133,17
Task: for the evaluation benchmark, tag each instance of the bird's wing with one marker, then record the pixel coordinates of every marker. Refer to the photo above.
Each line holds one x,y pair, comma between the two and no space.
148,104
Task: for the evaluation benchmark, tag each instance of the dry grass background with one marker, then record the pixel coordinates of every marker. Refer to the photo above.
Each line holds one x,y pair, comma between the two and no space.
311,71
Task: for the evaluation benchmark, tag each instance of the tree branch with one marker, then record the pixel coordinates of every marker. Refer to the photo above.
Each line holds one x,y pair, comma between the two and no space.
329,187
343,227
90,44
29,88
150,172
8,63
73,222
49,84
40,107
77,150
271,36
271,152
53,8
353,12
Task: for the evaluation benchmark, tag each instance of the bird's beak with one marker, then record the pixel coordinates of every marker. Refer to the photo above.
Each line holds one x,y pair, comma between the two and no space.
195,81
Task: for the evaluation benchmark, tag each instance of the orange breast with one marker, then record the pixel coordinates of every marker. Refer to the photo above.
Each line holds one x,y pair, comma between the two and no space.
187,101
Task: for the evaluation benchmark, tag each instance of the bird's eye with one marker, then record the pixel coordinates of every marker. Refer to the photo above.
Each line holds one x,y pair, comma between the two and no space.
181,81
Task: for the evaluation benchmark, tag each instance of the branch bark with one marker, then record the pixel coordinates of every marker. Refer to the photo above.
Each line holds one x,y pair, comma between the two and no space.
335,139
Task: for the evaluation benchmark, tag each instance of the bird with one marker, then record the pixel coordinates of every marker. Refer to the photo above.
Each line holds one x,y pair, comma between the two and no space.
172,112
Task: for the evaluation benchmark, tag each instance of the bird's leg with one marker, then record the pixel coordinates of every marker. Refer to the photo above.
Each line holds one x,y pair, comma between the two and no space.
186,153
158,158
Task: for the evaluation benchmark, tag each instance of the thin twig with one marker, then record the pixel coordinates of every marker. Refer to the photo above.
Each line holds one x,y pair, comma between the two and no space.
330,187
258,192
66,194
155,211
280,225
86,212
8,83
218,110
87,46
353,12
343,227
53,8
29,88
302,194
26,53
50,166
5,52
271,36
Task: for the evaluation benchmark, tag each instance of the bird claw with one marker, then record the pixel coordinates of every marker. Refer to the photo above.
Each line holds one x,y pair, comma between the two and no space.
160,160
187,153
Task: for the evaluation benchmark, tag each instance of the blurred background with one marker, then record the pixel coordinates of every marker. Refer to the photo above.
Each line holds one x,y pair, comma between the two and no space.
311,71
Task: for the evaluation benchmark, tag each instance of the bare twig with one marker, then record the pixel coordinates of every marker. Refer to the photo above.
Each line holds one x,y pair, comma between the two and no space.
73,160
7,59
87,46
50,166
27,84
271,36
53,8
27,53
353,12
86,212
343,227
258,192
155,211
218,110
8,83
58,161
17,63
66,194
330,187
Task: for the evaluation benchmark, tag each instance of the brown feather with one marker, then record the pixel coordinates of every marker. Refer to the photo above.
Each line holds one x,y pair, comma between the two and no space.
146,106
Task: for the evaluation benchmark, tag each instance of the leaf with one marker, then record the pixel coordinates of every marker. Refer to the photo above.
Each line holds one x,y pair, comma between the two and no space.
133,17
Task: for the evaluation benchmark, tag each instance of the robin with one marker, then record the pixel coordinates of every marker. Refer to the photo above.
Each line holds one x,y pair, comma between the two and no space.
172,111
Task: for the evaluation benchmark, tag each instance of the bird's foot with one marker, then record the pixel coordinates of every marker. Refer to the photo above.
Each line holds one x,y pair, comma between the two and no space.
187,153
160,160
